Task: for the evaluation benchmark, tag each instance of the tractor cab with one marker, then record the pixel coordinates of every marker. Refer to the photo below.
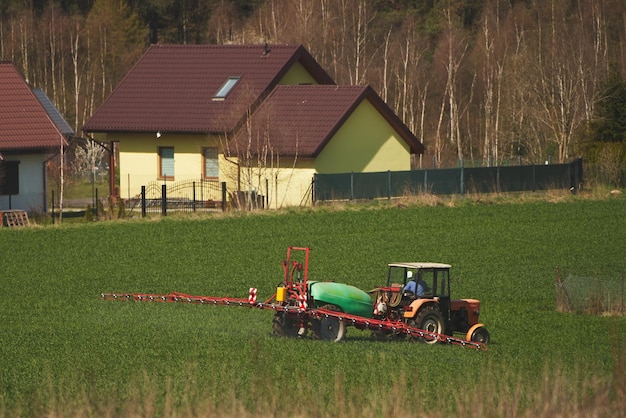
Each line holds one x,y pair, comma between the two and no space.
420,280
410,282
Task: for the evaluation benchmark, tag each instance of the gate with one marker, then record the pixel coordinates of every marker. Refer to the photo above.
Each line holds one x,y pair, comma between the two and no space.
183,196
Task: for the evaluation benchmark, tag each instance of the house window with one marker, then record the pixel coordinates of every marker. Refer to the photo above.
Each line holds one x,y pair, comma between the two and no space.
9,178
166,163
226,88
210,167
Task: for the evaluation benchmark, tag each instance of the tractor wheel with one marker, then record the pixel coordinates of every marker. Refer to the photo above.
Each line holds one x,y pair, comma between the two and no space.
284,326
428,319
479,335
330,329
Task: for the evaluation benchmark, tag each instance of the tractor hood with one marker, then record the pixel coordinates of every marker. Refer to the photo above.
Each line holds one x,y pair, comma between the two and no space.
349,299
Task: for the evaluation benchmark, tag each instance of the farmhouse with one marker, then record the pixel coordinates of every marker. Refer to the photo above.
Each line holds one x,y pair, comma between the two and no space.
31,131
260,118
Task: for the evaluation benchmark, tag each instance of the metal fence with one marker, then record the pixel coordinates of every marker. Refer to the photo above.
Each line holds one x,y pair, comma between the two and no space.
592,295
390,184
185,196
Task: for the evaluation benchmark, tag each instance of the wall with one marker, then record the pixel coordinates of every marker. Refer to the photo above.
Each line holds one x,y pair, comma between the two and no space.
372,144
31,183
287,185
297,74
139,163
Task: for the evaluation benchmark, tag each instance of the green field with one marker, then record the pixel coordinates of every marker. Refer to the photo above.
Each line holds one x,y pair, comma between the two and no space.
64,352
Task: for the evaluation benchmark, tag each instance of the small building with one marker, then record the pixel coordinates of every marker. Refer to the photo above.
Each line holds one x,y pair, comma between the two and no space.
261,118
31,132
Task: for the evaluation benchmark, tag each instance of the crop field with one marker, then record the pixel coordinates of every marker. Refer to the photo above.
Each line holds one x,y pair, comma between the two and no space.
65,352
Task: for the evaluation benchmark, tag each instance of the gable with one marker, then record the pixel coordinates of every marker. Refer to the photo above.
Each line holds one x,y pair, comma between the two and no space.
301,120
173,88
370,142
297,74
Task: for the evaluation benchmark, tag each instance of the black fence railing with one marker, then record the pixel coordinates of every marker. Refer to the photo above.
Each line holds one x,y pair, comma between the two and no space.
187,196
355,186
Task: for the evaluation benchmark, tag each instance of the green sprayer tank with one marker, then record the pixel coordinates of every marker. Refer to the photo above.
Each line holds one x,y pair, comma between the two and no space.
349,299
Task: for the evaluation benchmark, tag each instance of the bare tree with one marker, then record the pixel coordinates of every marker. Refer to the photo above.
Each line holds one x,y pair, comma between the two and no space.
491,59
450,54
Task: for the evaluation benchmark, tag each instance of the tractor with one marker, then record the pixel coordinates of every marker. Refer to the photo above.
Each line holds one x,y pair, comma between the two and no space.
415,304
419,295
416,298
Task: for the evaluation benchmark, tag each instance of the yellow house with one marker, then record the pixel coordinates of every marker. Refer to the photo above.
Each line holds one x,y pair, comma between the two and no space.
261,119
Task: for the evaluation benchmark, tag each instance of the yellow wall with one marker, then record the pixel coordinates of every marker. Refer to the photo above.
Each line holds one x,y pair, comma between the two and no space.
139,162
297,74
287,185
370,142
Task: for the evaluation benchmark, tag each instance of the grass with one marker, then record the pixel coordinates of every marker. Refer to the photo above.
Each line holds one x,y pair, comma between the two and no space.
63,352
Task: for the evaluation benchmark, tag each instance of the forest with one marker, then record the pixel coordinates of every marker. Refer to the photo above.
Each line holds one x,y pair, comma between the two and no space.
485,81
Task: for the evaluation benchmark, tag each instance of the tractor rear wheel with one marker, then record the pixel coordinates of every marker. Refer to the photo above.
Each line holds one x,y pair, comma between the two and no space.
284,326
429,319
330,328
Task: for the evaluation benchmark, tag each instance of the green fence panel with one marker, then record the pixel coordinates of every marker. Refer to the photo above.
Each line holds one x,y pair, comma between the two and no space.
333,186
553,176
370,185
443,181
388,184
517,179
406,183
481,180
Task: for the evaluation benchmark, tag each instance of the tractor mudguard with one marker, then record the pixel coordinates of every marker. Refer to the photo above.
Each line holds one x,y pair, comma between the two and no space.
416,305
349,299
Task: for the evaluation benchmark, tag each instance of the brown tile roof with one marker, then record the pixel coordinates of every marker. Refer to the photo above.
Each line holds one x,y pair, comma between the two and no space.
171,88
24,123
313,114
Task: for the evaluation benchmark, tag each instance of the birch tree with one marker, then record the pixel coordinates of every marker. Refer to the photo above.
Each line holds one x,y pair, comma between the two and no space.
452,50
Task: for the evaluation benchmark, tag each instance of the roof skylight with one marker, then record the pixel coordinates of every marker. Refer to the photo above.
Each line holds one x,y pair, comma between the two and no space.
226,88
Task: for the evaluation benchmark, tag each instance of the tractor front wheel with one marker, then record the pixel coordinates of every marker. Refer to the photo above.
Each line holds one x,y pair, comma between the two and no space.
429,319
330,328
478,335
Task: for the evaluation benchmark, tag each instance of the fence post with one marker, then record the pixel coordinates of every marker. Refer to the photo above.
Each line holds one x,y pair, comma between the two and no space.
425,181
352,185
462,178
388,184
313,183
193,202
223,196
498,187
52,212
163,200
143,201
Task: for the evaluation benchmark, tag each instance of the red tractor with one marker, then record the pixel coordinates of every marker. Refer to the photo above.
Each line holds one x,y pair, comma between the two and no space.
419,295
